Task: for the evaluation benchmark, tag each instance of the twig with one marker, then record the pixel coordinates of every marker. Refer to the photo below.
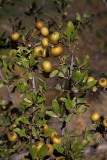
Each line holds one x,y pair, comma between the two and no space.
8,89
71,66
33,83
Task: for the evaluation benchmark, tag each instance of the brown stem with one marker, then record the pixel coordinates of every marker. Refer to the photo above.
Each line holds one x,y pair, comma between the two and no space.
33,83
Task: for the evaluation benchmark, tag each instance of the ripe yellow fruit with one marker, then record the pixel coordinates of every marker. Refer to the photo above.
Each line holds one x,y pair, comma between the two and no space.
102,82
45,42
39,24
39,52
50,149
45,127
39,144
47,66
56,139
89,79
12,136
56,51
95,117
44,31
105,122
55,37
15,36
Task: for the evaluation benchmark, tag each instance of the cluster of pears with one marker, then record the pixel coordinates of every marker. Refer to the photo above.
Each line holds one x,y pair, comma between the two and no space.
102,82
54,138
50,41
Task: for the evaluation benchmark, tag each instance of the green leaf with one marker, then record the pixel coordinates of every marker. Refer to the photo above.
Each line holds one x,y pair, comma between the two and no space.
69,30
25,62
33,151
55,106
74,89
31,60
5,64
58,87
41,99
69,104
6,152
61,75
40,88
81,100
22,85
59,148
54,73
64,68
89,84
23,120
40,122
83,144
42,152
86,60
77,60
78,76
30,75
64,58
39,79
29,95
51,114
34,132
82,108
21,132
27,100
69,117
48,132
23,50
13,52
78,17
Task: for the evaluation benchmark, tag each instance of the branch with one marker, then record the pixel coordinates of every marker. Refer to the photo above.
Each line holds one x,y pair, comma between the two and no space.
33,84
71,66
8,89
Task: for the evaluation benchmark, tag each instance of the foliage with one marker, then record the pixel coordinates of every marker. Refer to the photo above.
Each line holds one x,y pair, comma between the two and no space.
29,118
